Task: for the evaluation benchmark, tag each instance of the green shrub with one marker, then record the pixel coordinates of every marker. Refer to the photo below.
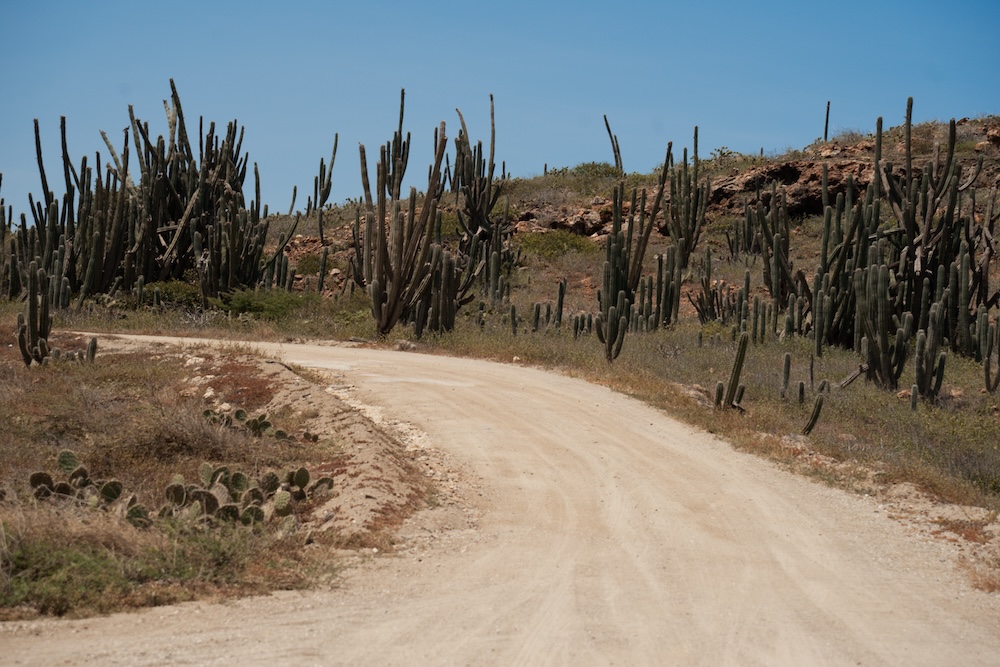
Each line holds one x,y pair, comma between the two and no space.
177,293
57,578
595,170
449,225
308,265
556,243
267,304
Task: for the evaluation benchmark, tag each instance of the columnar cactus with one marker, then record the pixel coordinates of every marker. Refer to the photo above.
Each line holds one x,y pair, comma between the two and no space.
938,247
141,218
929,358
668,286
612,324
485,235
786,371
449,289
685,214
34,326
322,185
730,399
992,381
814,415
393,257
886,340
560,297
774,226
624,252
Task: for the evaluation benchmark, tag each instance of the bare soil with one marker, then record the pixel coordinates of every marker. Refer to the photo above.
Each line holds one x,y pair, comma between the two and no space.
576,525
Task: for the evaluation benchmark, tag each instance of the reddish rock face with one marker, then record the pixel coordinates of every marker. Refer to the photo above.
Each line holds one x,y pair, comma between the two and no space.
993,134
802,182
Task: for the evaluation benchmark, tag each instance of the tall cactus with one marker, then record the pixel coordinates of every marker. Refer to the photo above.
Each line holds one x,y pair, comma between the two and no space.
477,189
560,299
936,244
322,185
7,260
35,324
775,231
688,201
929,358
452,278
887,338
992,380
394,254
624,252
611,325
660,294
730,400
486,235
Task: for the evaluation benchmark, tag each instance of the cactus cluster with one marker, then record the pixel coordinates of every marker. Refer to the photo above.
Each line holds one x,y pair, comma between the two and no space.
685,215
79,487
35,324
485,236
625,249
259,426
173,208
221,495
233,496
395,257
545,315
823,389
894,290
322,185
876,284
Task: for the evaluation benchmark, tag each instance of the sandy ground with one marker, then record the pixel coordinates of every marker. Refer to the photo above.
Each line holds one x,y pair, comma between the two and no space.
595,530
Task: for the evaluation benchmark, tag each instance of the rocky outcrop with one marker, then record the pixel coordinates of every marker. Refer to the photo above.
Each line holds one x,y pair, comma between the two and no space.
583,220
802,181
993,134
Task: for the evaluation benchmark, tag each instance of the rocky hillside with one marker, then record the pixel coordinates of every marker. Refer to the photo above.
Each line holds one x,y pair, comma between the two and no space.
735,178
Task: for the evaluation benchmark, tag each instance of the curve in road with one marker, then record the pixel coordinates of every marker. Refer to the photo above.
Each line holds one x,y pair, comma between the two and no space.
610,534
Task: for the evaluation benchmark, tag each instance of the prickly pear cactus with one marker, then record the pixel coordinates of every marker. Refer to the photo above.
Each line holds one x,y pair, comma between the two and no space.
206,474
252,515
269,483
67,460
300,478
176,494
252,496
138,516
229,512
111,491
283,504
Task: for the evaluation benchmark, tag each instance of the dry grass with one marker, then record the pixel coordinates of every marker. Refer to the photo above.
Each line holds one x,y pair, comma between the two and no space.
132,417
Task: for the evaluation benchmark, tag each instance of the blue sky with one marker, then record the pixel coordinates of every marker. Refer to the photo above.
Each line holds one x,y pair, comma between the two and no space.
751,75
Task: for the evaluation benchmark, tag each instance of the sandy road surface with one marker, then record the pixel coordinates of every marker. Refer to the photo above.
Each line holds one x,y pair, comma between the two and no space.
610,534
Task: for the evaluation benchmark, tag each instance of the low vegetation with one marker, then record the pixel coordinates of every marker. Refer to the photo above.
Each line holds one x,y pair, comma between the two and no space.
93,459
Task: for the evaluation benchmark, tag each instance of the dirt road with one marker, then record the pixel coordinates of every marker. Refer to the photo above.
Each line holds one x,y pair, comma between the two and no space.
609,534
